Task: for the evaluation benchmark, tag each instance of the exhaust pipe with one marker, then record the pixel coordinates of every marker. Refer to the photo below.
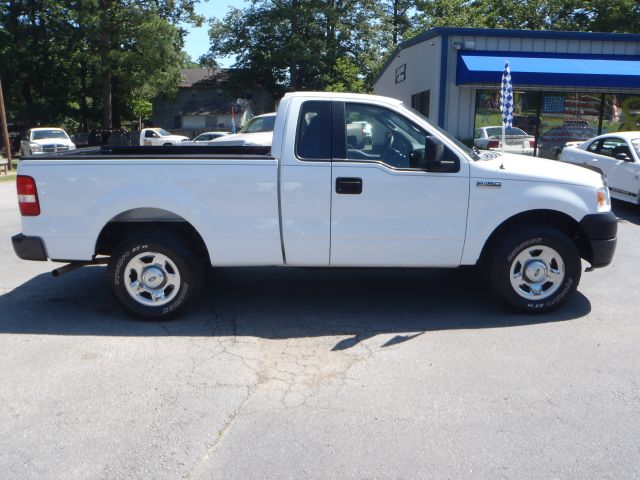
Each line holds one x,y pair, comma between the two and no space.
70,267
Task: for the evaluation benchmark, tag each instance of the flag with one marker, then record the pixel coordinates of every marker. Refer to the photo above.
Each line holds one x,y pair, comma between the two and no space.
506,97
233,119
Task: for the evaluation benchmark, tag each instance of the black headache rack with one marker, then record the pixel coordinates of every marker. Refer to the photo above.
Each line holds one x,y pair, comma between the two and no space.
163,151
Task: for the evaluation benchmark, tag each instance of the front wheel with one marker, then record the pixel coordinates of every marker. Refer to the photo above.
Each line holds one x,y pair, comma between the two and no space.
154,275
536,270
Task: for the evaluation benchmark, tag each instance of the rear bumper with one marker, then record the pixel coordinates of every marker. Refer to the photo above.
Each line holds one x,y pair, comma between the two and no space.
29,248
601,230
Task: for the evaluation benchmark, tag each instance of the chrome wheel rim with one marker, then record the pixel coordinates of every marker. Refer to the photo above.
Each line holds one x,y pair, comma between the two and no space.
152,279
537,272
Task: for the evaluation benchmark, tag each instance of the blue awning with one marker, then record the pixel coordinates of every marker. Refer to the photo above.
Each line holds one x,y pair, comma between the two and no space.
550,69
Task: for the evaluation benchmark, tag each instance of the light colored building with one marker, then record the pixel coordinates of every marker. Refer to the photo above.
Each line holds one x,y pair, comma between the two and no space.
568,85
204,101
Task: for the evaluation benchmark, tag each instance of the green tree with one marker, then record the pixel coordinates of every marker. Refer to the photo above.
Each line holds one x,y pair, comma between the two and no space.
89,59
296,44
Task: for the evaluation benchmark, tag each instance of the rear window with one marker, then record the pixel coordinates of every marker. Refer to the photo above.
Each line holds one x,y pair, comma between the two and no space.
313,139
497,132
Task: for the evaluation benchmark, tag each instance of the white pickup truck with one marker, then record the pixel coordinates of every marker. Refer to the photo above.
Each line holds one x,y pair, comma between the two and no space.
159,136
415,197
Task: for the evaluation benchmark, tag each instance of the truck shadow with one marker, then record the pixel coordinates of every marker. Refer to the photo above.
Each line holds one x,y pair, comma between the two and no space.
278,303
626,211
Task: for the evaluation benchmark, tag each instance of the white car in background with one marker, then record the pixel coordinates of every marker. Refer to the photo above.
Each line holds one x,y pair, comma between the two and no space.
257,132
205,138
517,140
45,140
617,156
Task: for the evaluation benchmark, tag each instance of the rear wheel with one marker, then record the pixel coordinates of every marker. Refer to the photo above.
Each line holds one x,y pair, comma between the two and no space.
154,275
536,270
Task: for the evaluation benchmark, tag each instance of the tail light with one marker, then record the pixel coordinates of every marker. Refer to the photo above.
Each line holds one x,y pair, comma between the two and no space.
532,143
493,144
28,196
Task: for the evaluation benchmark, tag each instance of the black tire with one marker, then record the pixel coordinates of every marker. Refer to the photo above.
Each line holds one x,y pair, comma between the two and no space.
173,261
526,252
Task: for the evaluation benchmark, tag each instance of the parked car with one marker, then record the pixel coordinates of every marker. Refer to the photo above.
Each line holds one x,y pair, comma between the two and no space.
517,141
256,132
552,141
205,137
575,123
617,156
159,136
45,140
359,134
423,199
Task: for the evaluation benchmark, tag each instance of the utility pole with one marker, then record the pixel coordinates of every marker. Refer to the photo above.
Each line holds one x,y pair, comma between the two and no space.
5,132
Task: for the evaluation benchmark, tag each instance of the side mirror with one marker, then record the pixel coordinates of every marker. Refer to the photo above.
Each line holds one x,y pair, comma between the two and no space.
622,156
436,157
434,151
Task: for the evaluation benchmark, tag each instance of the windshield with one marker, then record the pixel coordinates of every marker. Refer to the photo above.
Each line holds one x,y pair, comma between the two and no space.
446,134
259,124
636,146
43,134
162,133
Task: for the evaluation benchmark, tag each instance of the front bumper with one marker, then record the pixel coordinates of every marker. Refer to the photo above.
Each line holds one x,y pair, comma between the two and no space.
29,248
601,230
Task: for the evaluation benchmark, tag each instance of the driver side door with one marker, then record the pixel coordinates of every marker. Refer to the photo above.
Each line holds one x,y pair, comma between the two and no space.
389,207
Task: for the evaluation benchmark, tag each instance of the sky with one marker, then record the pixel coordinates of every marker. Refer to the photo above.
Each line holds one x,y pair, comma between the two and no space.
197,41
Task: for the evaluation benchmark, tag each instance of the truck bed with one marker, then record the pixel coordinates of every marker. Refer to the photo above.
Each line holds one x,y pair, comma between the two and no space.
230,198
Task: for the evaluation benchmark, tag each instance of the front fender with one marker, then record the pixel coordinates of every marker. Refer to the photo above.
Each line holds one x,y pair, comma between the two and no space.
490,206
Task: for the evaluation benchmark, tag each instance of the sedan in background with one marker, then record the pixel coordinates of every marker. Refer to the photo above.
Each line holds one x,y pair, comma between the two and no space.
617,156
516,140
205,137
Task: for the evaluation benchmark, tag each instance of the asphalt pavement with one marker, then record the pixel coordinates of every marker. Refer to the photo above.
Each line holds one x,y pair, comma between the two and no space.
282,373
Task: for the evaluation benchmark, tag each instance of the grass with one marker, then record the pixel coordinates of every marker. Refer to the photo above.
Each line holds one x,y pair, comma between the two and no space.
9,177
11,174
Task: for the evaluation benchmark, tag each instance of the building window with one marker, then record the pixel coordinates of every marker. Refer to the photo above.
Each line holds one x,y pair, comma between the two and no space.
420,102
177,121
401,73
556,118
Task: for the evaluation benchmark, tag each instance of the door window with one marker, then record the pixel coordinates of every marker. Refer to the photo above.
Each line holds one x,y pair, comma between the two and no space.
594,146
378,134
612,146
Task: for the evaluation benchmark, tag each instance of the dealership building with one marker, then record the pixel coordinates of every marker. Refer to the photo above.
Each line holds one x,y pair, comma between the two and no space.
567,85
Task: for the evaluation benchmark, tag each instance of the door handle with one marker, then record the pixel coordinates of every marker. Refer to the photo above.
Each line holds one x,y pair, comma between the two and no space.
348,185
